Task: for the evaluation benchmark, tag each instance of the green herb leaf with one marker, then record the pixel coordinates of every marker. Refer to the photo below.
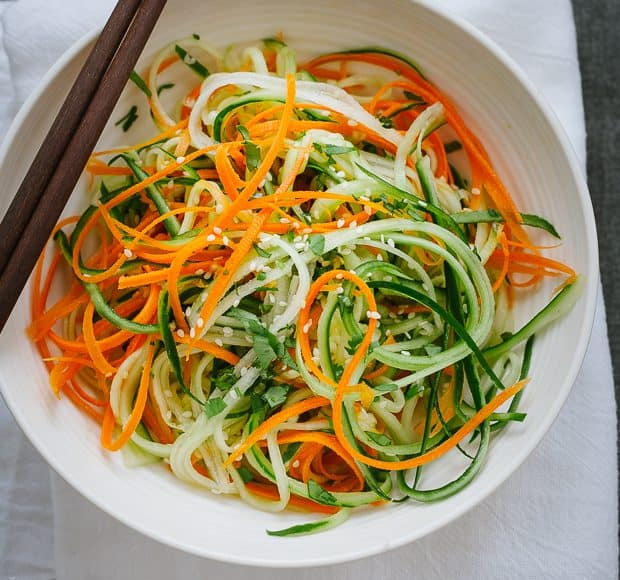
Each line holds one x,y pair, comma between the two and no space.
262,253
214,407
196,36
276,395
317,244
164,87
452,146
140,83
191,62
320,495
386,122
224,379
128,120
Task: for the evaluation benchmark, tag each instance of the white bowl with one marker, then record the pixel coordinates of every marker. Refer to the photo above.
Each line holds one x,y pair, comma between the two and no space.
531,153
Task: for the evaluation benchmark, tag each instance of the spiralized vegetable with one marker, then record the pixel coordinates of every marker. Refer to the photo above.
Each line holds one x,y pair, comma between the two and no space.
291,293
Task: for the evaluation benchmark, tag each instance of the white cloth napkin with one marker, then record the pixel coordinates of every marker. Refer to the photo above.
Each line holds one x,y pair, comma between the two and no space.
554,519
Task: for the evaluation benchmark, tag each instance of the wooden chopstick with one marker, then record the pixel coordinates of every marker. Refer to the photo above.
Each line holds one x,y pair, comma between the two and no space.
63,127
75,152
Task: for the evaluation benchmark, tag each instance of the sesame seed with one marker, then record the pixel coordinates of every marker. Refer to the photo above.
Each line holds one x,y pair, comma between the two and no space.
352,123
405,353
307,326
373,315
379,258
282,303
199,272
180,333
189,59
316,352
227,331
296,463
364,198
391,243
339,276
128,253
225,240
188,311
200,323
285,220
341,174
272,299
296,225
475,191
217,230
180,160
237,302
211,238
219,342
340,223
192,332
219,208
340,290
353,225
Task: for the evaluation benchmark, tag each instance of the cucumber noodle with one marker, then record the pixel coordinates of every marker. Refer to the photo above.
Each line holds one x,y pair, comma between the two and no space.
363,200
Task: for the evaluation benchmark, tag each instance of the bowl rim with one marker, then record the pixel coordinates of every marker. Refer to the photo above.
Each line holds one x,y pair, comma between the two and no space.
589,300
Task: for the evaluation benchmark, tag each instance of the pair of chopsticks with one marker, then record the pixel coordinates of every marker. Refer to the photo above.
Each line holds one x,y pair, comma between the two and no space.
47,186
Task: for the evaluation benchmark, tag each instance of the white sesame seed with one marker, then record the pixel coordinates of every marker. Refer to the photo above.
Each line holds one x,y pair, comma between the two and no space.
189,102
379,258
217,230
373,315
340,290
475,191
296,225
266,269
192,332
341,174
307,326
405,353
128,253
211,238
219,342
237,302
316,352
189,59
199,272
180,333
285,220
339,276
296,463
353,225
225,240
180,160
340,223
200,323
272,298
282,303
352,123
219,208
391,243
188,311
227,331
